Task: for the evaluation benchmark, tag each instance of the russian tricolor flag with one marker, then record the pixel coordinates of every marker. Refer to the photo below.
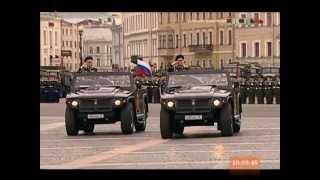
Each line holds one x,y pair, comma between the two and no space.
144,67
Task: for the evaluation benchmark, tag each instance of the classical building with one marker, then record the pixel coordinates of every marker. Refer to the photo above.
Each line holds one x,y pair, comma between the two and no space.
97,42
257,36
204,38
70,48
140,37
50,39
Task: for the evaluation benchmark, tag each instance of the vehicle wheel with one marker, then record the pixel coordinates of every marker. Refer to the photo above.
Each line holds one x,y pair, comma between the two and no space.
226,124
89,128
165,124
72,126
127,121
142,126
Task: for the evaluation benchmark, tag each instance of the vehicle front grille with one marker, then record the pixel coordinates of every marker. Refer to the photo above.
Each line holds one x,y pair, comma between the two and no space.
200,105
92,105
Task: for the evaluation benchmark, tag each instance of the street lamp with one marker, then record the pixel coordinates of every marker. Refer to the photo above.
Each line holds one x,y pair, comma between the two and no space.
80,34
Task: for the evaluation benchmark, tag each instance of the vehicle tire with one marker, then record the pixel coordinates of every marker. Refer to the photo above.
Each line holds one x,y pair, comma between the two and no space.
142,126
165,124
226,122
127,119
71,123
89,128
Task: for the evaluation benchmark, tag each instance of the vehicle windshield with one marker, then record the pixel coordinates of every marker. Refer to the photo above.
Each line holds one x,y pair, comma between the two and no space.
270,70
189,80
96,81
231,69
49,76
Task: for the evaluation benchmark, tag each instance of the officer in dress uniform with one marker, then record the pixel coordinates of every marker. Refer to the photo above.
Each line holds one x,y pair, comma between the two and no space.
87,66
178,64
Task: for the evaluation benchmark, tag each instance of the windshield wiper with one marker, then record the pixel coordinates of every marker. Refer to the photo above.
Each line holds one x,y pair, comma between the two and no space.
116,86
175,86
212,85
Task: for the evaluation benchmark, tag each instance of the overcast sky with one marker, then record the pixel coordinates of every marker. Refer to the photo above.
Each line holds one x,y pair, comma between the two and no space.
78,16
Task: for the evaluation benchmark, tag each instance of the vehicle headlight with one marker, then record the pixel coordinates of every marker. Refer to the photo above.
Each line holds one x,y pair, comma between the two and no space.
170,104
74,103
216,102
117,102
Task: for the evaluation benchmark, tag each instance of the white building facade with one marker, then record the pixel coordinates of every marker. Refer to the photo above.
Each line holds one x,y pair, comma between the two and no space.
50,39
140,37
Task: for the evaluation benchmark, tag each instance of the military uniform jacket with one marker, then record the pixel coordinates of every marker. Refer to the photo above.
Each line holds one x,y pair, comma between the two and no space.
86,69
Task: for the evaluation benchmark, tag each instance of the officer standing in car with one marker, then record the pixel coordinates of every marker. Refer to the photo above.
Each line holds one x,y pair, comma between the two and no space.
178,64
87,66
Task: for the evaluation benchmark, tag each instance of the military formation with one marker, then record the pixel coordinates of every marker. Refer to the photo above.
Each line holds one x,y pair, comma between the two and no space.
256,84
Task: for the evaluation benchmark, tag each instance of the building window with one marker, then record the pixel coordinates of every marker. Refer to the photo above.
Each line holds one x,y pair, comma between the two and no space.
62,31
70,32
170,41
230,37
98,62
177,17
67,32
98,49
45,38
62,43
56,38
243,49
75,44
230,14
204,63
168,18
184,40
161,18
90,50
269,49
256,49
198,38
197,15
71,44
278,48
204,38
164,41
204,16
243,16
177,41
210,15
221,37
256,16
50,38
221,14
269,18
190,15
184,17
198,63
67,43
210,38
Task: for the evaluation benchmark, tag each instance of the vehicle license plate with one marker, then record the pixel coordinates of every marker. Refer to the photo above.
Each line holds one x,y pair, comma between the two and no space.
95,116
193,117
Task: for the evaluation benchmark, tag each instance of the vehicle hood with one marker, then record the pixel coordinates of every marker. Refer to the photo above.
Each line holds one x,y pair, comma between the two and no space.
196,91
105,92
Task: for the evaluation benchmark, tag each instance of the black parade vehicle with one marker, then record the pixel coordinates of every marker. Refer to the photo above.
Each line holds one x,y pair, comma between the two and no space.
105,98
199,98
50,86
